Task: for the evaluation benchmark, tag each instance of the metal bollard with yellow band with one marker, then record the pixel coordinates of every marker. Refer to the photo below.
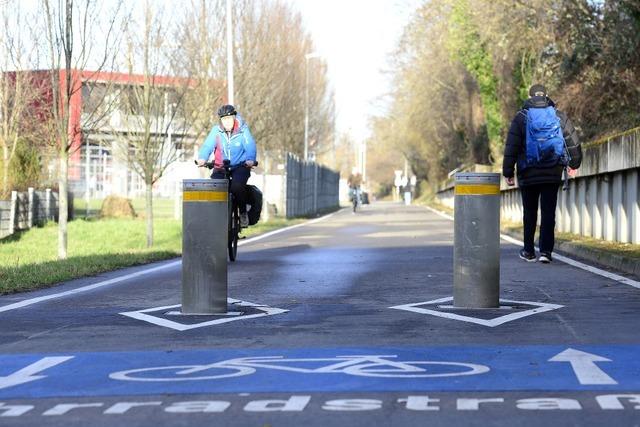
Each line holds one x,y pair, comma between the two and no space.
205,219
476,250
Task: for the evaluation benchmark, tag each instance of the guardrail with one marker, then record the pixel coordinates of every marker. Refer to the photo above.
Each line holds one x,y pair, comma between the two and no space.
602,201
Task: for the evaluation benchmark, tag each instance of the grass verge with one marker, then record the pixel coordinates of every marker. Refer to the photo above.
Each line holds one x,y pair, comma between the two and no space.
162,208
28,260
625,250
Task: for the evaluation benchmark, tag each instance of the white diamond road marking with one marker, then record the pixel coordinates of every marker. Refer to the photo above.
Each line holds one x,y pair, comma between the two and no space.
540,307
150,318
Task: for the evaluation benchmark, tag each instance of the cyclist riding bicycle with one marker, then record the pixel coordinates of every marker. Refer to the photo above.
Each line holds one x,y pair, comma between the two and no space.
231,140
354,182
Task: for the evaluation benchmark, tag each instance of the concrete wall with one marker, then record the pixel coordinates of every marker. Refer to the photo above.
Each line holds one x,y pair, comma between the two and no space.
27,209
303,189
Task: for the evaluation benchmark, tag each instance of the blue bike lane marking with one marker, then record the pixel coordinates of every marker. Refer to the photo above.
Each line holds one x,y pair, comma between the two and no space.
386,369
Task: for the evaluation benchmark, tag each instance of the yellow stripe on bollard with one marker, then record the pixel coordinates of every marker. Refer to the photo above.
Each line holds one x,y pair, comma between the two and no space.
477,189
205,196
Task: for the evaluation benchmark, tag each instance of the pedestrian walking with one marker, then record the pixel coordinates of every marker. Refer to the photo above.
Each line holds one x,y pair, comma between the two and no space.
542,147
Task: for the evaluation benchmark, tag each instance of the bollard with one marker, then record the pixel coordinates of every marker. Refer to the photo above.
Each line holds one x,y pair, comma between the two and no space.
205,218
476,251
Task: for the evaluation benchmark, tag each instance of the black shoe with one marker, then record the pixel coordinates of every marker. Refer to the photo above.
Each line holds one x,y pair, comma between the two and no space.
244,220
545,257
527,256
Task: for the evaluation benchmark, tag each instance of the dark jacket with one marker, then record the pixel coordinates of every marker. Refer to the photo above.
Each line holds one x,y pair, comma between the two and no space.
515,149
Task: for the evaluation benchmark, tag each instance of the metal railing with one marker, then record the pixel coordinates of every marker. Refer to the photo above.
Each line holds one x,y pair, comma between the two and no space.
602,201
310,188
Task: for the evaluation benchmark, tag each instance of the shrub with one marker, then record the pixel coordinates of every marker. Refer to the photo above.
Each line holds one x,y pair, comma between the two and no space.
25,169
117,207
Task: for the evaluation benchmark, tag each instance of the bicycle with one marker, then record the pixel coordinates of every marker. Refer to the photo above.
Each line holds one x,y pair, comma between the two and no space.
355,199
234,226
361,365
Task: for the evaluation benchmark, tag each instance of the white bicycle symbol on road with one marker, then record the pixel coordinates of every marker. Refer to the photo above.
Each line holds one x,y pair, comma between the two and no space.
365,366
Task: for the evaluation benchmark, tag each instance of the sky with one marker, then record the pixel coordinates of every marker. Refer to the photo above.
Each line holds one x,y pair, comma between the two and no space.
356,37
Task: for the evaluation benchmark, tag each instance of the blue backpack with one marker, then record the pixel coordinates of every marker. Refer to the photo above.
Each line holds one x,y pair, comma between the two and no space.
545,146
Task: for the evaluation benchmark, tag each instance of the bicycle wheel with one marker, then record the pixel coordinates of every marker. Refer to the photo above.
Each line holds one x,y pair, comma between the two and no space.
180,373
416,369
234,229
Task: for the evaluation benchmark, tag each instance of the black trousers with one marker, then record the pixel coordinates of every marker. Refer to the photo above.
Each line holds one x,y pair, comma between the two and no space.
239,178
547,196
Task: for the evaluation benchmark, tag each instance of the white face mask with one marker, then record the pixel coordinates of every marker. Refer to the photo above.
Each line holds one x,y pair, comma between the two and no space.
228,122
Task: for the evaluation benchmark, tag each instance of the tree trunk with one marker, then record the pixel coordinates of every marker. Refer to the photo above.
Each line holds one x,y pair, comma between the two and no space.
149,209
5,169
63,203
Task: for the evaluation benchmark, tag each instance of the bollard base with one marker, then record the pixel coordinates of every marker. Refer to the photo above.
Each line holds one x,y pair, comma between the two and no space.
473,297
490,317
454,307
180,313
204,313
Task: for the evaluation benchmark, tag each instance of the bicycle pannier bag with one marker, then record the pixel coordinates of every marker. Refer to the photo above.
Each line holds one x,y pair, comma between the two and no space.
255,204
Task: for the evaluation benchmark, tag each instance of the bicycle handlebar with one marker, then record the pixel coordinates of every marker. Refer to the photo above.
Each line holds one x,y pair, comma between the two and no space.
226,165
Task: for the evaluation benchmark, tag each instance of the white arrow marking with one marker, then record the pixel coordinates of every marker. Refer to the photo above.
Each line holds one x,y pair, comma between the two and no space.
27,374
584,366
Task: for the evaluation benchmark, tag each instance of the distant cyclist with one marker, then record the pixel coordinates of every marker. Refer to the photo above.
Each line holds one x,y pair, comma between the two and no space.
231,140
354,182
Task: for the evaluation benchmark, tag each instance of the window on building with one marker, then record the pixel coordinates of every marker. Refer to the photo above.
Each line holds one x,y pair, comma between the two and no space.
96,169
93,97
130,98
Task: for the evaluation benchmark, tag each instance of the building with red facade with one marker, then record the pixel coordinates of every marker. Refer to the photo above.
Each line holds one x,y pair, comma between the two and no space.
105,118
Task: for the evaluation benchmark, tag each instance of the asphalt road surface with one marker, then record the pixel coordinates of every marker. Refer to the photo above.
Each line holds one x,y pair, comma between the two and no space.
344,321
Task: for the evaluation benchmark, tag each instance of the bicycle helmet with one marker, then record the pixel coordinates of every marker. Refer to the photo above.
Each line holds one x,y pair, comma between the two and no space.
227,110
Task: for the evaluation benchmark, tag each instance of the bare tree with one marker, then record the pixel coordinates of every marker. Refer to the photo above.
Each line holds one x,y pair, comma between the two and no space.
151,105
201,36
270,47
270,43
72,30
18,89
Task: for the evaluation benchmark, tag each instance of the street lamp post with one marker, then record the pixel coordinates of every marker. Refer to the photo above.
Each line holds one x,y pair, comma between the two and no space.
308,56
230,99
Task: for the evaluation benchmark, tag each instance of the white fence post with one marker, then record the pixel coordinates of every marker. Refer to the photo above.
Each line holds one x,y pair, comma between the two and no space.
13,212
583,207
30,206
634,205
618,209
47,204
607,210
594,210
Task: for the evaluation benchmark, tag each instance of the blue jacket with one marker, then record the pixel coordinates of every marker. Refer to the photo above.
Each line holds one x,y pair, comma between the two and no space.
238,148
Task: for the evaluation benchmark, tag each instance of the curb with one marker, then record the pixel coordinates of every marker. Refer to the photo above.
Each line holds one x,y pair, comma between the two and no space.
621,263
629,265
